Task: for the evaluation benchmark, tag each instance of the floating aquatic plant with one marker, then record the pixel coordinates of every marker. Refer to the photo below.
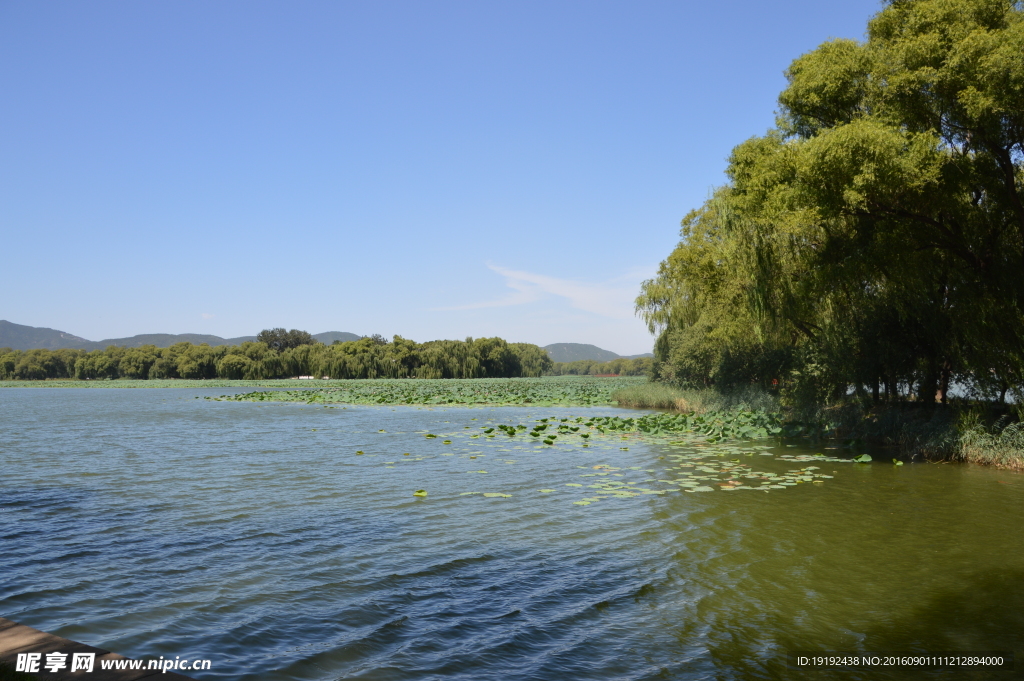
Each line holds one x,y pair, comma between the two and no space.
566,391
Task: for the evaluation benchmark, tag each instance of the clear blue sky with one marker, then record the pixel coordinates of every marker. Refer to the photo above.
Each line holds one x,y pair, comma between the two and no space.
429,169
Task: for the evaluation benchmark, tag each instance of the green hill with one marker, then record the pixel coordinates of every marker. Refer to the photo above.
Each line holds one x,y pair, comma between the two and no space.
328,337
164,340
20,337
574,352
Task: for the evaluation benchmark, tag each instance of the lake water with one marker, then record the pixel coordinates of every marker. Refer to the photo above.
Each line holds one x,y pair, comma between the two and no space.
152,523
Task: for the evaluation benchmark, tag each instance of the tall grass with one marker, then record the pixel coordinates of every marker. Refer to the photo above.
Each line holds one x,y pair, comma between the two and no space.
656,395
1000,445
649,396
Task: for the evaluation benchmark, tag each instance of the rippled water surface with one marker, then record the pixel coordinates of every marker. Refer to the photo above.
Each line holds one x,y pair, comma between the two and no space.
152,523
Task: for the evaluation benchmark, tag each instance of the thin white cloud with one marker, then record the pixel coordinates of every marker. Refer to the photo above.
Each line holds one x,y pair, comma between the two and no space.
206,315
613,298
522,293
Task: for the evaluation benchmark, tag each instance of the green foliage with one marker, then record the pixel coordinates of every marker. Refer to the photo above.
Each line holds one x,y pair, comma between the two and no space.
639,366
661,395
533,360
364,358
711,427
234,367
872,244
714,426
515,391
1001,444
280,340
651,396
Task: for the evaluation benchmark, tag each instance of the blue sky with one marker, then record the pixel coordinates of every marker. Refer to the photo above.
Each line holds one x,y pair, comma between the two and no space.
428,169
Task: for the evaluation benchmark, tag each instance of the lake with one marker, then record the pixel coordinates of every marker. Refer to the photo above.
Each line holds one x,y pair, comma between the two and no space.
152,523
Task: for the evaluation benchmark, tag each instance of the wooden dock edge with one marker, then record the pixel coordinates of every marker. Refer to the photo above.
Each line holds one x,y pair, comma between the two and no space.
17,638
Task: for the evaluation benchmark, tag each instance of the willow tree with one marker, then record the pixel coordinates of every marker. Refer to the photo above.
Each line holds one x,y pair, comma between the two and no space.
709,335
880,225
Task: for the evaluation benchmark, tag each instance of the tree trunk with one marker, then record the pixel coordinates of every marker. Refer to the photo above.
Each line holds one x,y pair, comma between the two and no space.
947,369
926,389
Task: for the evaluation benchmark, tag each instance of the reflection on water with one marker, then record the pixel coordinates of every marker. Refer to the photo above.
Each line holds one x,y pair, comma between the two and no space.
151,523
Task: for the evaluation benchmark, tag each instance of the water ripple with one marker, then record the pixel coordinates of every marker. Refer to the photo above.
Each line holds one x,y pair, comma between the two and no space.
152,523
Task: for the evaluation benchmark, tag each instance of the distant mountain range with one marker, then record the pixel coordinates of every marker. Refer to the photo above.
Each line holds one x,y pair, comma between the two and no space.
20,337
574,352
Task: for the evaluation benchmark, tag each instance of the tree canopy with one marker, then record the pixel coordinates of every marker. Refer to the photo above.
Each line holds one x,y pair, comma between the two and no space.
875,236
280,340
365,358
621,366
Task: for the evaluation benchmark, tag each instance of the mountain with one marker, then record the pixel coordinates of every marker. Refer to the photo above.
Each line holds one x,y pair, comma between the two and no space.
574,352
29,337
165,340
20,337
328,337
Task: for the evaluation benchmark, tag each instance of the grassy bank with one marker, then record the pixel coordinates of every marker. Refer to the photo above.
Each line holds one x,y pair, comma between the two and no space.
1003,448
970,432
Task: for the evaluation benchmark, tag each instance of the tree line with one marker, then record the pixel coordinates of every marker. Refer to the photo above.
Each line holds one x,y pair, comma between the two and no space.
640,366
285,355
873,240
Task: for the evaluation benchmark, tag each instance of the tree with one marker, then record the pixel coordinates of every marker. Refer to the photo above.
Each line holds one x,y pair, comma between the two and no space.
366,358
234,366
136,363
280,340
496,357
876,235
533,360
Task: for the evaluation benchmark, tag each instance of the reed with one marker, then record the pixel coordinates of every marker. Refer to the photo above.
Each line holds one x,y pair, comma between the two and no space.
658,395
995,446
652,396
